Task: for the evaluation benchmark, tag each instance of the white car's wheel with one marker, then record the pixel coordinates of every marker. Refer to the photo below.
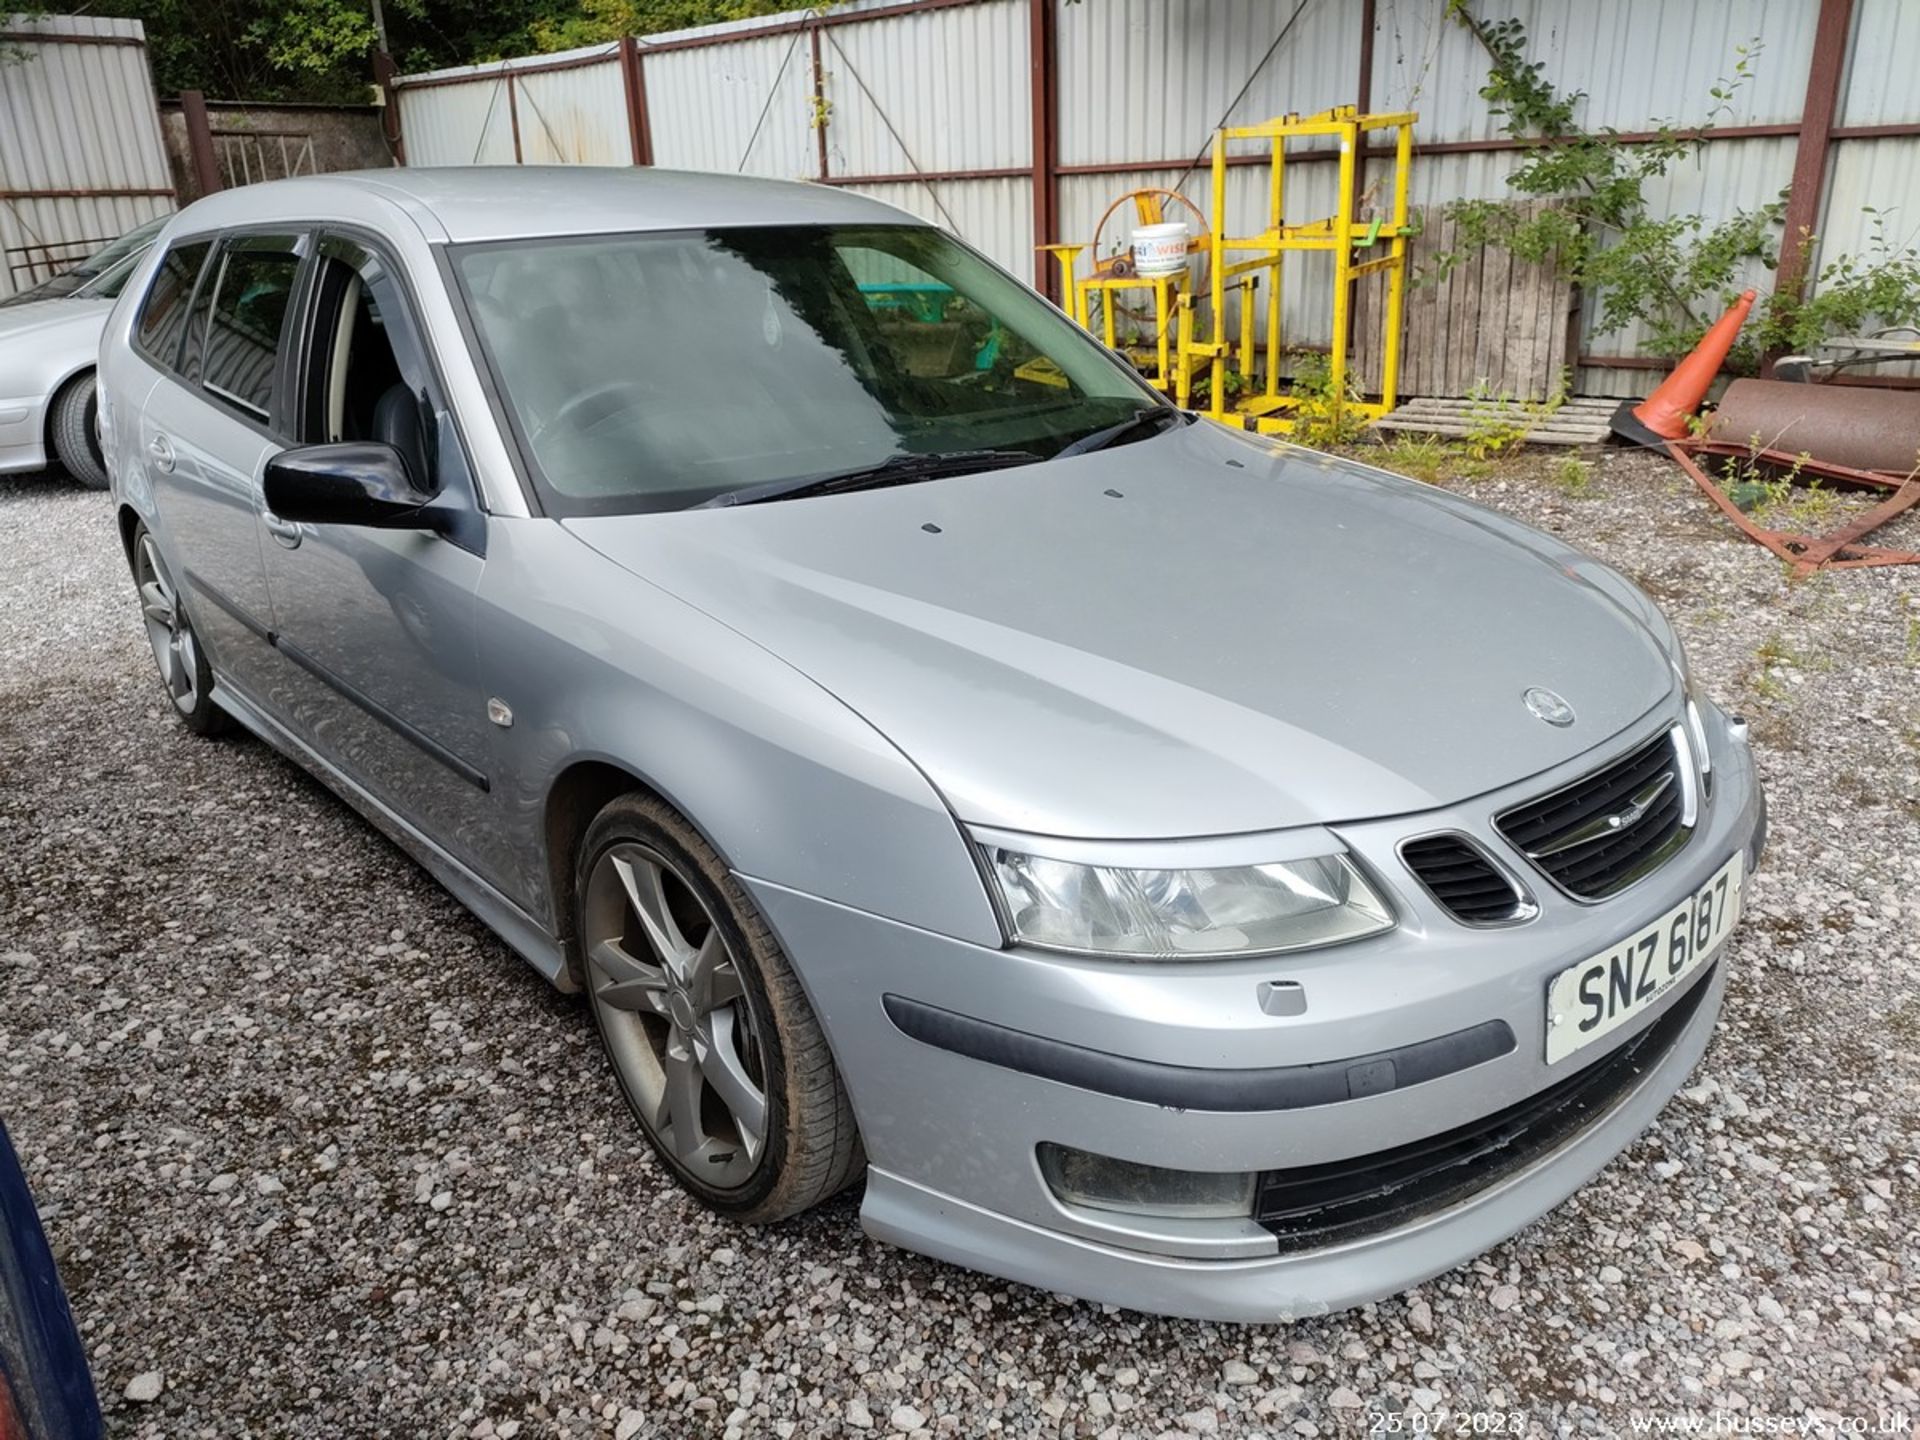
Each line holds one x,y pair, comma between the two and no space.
76,438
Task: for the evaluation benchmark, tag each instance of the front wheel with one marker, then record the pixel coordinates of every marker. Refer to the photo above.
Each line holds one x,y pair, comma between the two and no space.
710,1036
176,649
76,437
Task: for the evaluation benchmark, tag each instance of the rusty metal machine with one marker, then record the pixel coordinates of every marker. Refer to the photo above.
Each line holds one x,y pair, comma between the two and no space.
1850,436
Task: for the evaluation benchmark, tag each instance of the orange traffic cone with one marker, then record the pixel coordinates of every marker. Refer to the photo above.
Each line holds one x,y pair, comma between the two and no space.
1663,415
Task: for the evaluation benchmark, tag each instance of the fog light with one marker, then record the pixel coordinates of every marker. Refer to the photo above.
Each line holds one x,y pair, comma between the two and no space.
1099,1183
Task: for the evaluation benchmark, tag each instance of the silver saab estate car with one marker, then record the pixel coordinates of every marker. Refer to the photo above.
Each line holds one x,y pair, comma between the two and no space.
1167,866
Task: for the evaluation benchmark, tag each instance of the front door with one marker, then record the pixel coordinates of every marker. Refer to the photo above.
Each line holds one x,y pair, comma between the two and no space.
377,626
207,428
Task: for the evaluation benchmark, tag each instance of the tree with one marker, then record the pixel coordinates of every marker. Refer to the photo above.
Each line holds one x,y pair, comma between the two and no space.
1672,274
318,50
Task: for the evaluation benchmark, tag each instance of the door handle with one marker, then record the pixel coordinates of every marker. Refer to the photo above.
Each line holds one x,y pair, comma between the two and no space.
284,532
161,449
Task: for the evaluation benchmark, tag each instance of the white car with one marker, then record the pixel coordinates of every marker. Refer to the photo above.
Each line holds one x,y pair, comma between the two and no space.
49,343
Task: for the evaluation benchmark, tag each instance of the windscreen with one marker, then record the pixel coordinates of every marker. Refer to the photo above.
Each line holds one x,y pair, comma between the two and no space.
77,279
660,371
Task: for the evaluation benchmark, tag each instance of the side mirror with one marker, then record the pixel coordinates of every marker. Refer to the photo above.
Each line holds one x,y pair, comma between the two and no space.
356,482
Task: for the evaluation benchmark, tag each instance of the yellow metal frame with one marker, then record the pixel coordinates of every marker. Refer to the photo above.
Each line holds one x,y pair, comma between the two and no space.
1167,290
1241,262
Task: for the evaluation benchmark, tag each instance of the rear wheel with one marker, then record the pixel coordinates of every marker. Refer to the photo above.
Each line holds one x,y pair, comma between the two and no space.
76,438
715,1047
176,649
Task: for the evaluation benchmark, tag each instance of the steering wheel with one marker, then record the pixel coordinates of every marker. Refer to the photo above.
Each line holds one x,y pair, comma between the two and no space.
1150,209
592,408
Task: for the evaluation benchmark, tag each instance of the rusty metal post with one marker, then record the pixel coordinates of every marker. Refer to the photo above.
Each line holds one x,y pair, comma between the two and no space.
1830,36
1362,97
1043,56
819,102
513,116
206,167
383,72
634,78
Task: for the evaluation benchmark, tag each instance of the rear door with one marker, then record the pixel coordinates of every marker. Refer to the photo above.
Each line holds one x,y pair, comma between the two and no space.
379,624
207,430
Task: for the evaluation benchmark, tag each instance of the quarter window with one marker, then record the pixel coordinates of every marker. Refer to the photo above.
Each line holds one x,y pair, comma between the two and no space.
251,297
163,314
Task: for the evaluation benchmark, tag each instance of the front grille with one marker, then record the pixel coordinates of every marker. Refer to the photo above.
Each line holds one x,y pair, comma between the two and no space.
1312,1206
1588,837
1467,884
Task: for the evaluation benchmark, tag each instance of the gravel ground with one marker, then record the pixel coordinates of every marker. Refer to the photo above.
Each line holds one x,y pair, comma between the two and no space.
320,1158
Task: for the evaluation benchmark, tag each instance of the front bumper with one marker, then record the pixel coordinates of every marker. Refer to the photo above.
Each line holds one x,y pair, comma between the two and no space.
952,1139
23,432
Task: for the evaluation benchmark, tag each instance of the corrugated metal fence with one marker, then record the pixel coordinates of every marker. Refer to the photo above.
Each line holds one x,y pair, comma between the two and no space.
1016,121
81,158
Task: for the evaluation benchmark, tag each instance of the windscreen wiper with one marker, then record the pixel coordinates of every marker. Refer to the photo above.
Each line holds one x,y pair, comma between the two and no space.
895,470
1149,420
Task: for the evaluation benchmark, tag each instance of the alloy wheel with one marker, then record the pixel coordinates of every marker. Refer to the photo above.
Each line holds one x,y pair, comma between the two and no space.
668,993
174,649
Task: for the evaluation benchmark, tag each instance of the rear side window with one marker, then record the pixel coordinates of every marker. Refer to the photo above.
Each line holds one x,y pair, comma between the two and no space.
252,294
163,314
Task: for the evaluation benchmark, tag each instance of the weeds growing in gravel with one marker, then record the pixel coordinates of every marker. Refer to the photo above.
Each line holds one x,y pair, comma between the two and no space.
1774,650
1808,507
1573,477
1321,418
1422,457
1775,497
1498,423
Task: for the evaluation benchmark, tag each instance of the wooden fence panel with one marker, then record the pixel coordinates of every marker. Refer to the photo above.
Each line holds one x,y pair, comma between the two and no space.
1494,322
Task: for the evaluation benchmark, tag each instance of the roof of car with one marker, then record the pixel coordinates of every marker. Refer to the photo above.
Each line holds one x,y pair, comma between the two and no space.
499,202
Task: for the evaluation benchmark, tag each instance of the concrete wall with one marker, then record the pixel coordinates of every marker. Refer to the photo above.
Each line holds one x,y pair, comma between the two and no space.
255,142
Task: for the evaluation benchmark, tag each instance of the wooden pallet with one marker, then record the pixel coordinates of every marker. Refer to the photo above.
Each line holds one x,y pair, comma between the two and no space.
1490,321
1578,421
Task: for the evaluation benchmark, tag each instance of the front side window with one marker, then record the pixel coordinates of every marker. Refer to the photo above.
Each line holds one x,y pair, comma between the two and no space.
251,293
163,313
660,371
365,378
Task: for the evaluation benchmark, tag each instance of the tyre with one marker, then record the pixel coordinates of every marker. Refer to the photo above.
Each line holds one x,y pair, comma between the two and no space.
176,649
709,1034
76,439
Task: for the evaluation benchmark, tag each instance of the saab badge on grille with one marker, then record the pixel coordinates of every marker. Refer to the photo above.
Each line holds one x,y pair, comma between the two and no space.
1548,706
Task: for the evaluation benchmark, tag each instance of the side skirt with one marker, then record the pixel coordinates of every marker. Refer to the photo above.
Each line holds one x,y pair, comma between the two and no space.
528,938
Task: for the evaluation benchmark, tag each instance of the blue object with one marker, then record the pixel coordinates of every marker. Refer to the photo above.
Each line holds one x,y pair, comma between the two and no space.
41,1359
925,299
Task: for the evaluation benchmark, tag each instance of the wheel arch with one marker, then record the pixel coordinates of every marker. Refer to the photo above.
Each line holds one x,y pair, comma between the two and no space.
130,521
54,392
579,792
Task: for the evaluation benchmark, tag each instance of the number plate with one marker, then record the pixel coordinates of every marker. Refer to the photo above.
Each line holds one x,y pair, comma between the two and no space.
1602,993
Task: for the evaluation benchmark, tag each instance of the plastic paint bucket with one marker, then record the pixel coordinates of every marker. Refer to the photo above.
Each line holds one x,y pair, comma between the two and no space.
1160,249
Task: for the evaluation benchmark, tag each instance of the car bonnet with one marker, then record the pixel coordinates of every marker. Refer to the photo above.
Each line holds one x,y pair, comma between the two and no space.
1199,634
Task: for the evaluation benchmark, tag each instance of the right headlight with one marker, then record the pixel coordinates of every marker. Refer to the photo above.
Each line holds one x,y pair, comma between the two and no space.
1696,722
1183,914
